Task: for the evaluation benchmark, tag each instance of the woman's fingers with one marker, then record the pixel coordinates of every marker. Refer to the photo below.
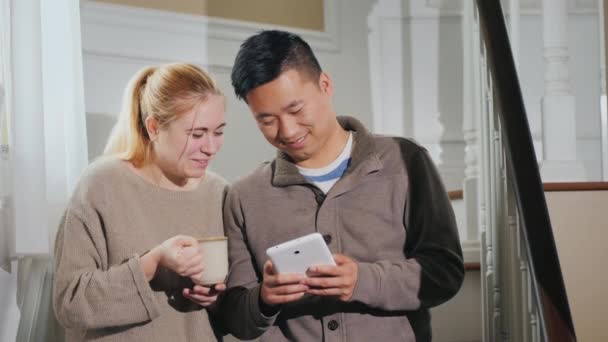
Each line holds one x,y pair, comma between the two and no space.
201,295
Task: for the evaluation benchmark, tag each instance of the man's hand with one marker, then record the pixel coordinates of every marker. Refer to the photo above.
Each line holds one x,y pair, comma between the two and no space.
204,295
281,288
339,280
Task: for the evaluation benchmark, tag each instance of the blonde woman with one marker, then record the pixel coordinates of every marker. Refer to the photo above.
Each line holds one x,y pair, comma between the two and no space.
125,250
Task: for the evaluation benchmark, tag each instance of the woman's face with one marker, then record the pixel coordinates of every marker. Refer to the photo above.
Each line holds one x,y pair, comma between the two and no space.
184,148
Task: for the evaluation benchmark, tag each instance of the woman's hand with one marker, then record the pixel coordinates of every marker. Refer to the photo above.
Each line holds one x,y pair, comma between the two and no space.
204,295
179,254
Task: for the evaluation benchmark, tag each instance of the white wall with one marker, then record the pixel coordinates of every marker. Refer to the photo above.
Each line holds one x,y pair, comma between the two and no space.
579,227
459,319
151,37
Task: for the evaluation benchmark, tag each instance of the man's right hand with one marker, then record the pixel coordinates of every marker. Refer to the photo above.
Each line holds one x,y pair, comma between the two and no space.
281,288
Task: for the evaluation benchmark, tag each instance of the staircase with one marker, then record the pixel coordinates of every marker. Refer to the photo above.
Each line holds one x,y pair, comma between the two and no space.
539,274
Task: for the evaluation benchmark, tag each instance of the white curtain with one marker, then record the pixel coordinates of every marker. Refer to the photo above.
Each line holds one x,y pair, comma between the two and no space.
43,150
5,180
47,126
9,310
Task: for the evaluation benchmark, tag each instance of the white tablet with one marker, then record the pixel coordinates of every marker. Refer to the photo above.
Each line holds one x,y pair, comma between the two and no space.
297,255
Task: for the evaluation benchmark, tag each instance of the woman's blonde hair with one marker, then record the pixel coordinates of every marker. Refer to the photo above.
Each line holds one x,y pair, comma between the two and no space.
163,92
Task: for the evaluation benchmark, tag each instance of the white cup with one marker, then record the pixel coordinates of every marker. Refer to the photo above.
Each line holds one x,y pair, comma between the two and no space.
215,259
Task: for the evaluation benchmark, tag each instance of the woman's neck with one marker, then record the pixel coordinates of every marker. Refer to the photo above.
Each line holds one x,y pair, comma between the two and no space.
154,174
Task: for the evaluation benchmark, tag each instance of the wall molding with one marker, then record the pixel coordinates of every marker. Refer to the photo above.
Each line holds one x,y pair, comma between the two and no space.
154,35
433,9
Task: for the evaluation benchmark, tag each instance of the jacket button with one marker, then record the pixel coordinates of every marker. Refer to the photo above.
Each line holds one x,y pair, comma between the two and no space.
327,238
332,325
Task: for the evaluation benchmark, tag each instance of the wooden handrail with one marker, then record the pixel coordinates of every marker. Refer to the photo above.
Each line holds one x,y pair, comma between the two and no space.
472,266
576,186
551,187
455,194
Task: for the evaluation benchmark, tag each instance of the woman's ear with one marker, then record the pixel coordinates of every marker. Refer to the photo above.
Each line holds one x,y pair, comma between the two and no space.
152,127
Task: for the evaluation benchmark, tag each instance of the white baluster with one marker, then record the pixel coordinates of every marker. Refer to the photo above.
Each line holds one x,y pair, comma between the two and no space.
526,331
523,285
603,99
514,267
486,205
558,104
469,123
479,69
534,323
496,225
508,308
502,231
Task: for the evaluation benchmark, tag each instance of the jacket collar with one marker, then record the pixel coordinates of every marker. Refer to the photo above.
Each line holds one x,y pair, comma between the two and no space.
362,156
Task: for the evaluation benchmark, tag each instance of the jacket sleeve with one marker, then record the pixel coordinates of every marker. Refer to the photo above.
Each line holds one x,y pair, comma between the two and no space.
87,294
239,305
433,270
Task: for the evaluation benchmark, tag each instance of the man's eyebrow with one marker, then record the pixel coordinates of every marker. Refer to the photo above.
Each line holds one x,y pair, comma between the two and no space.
260,116
293,104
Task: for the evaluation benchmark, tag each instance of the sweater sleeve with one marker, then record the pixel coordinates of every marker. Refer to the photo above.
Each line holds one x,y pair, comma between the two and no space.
433,270
87,293
239,305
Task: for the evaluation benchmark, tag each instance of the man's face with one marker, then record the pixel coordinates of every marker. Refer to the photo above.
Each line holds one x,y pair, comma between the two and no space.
295,114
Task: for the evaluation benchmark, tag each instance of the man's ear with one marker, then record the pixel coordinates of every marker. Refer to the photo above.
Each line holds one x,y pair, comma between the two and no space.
325,84
152,127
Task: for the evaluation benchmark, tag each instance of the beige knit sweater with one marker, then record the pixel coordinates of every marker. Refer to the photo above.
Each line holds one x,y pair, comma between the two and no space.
100,292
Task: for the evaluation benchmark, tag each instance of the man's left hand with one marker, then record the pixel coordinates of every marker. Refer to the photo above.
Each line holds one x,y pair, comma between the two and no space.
339,280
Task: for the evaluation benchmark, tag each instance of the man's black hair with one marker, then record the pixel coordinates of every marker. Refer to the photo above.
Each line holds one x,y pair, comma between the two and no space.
265,55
